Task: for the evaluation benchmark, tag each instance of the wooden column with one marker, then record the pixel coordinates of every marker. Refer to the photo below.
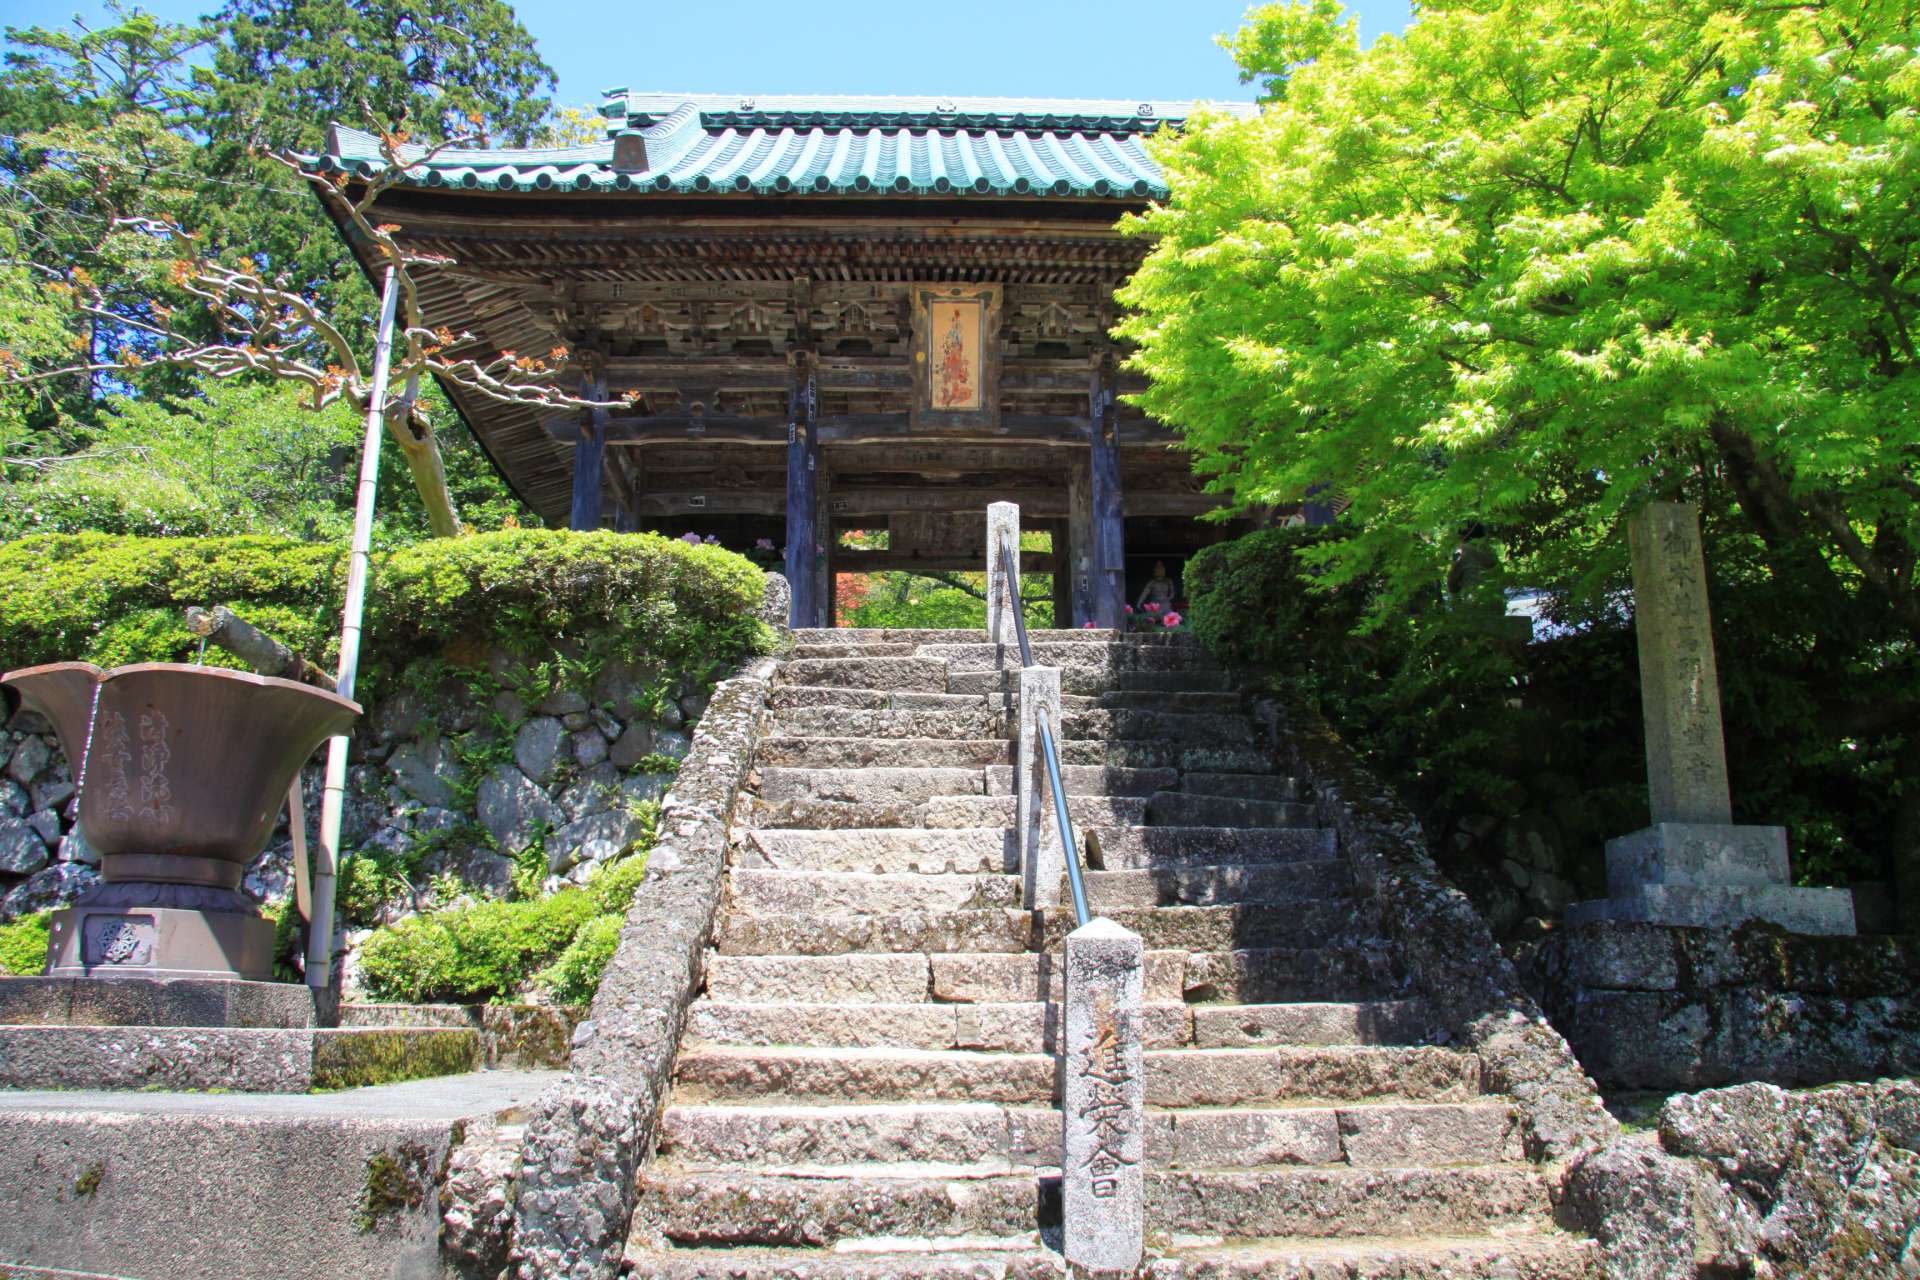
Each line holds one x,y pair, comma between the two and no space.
1109,509
1062,573
803,496
1079,568
626,516
825,583
590,453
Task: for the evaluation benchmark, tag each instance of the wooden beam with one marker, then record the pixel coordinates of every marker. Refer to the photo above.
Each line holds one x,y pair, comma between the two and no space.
590,456
867,503
847,560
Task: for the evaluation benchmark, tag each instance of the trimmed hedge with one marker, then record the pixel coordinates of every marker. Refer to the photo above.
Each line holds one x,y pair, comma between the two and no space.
117,600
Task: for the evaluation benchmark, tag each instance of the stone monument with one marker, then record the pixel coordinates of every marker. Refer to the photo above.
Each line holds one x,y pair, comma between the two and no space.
1104,1094
1694,865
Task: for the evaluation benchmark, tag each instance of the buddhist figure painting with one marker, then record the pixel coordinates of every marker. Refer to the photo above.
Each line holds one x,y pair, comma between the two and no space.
955,355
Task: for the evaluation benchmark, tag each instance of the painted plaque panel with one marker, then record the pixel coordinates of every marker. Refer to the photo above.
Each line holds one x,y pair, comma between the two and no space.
956,355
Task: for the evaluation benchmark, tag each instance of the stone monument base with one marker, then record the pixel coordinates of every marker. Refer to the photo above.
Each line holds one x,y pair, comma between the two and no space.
1710,875
159,942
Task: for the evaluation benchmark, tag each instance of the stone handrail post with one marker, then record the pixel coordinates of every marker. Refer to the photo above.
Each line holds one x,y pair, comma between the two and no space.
1103,1092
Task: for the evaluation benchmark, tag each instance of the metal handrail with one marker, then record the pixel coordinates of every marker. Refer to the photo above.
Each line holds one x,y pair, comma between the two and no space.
1010,584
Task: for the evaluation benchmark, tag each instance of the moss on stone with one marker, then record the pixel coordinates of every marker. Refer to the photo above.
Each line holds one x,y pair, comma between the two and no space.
385,1056
396,1180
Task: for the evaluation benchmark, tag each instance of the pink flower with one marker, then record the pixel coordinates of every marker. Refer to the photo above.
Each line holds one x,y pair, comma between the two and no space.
1153,606
1128,608
1090,626
1171,620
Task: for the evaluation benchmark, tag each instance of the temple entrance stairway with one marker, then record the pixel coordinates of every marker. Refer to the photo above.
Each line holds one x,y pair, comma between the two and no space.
868,1083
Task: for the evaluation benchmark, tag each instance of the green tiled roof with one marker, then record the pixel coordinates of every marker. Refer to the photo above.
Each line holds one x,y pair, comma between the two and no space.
693,143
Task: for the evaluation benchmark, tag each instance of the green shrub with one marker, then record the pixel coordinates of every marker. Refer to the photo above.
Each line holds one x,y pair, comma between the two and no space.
23,944
574,978
481,951
615,884
639,597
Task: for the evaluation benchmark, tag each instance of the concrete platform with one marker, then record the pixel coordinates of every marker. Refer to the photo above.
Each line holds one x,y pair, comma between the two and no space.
232,1059
144,1002
161,1186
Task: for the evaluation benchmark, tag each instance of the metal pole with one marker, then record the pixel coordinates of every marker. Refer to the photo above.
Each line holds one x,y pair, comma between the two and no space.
327,855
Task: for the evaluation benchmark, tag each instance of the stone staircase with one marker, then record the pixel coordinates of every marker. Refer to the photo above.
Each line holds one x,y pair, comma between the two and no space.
868,1082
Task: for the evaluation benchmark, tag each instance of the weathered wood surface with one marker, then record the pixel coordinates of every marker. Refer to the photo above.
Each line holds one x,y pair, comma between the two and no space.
221,626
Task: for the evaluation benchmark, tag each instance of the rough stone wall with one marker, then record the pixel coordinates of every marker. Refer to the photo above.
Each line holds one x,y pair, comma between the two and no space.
588,1133
1470,988
1757,1181
1662,1007
457,770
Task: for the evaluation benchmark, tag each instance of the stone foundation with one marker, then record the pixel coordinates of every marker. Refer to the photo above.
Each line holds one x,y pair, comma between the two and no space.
1650,1006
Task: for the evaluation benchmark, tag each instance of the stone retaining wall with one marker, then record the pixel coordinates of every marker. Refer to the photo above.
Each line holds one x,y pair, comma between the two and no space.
1469,987
457,771
1756,1181
1663,1007
588,1133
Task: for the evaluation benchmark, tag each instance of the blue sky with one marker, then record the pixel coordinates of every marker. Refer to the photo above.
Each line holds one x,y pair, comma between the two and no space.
1146,49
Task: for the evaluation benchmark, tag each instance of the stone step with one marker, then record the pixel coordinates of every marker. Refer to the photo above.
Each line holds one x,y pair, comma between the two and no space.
884,797
1324,1202
974,720
1253,975
883,849
1365,1022
992,811
1216,885
1020,1258
1111,656
882,753
853,649
1169,808
1032,1026
796,696
1326,922
1361,970
1121,848
1025,1027
965,977
715,1073
1185,681
728,1208
1539,1254
1307,922
1095,780
1295,1075
232,1059
1255,785
895,675
804,893
926,932
1211,729
732,1209
1160,700
993,1138
1135,753
1094,681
